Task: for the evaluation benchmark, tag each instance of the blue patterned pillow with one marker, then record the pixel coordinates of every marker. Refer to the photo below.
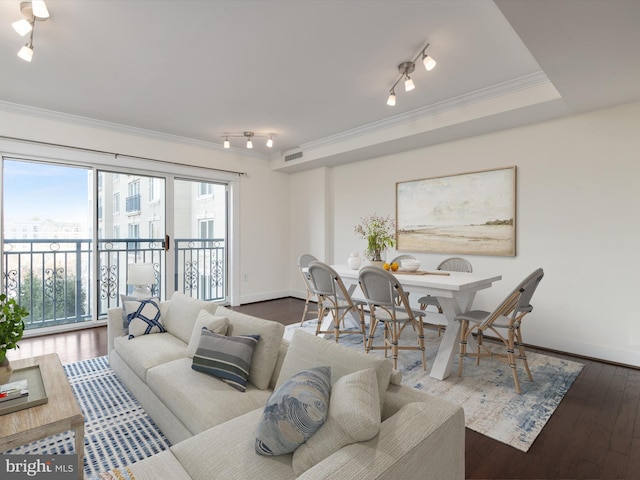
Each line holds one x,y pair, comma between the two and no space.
143,317
227,358
294,412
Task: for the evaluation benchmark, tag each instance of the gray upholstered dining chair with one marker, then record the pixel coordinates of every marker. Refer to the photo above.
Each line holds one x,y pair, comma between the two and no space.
453,264
506,316
381,289
303,263
334,299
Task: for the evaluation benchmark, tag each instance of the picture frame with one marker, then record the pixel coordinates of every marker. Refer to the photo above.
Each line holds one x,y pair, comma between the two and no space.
468,213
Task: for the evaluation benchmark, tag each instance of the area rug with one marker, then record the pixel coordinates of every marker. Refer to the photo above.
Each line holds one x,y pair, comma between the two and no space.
486,392
117,430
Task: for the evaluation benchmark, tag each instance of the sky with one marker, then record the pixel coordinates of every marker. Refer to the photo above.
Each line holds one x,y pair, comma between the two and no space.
45,191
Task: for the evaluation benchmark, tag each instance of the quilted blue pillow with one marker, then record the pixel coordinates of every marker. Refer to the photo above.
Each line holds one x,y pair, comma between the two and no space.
294,412
143,317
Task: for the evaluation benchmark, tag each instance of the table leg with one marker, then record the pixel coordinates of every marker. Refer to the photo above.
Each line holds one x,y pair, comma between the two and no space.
449,345
79,434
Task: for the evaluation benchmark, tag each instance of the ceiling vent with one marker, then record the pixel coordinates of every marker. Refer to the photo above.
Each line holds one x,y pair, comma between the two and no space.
292,156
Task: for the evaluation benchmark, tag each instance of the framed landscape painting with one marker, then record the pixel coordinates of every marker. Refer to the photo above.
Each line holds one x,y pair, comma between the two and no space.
469,213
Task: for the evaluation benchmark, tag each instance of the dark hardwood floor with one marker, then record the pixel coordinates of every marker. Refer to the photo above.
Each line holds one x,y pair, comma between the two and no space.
593,434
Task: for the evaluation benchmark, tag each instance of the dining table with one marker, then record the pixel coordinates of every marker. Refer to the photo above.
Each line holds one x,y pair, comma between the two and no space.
455,292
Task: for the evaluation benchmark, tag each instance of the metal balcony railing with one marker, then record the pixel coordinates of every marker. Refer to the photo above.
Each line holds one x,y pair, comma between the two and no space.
52,278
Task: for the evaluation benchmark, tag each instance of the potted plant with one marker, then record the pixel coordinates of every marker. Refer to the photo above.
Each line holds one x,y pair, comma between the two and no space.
11,330
379,232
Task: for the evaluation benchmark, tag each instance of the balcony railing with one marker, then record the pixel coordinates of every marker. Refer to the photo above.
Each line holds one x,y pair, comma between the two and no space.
52,278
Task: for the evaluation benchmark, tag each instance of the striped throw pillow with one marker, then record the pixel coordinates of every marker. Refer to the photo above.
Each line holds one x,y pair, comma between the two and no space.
227,358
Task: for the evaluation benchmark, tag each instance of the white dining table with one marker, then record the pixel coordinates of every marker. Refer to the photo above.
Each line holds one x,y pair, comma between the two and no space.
454,291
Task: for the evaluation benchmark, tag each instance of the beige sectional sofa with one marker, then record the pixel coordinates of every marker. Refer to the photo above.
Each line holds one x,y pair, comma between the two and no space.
212,426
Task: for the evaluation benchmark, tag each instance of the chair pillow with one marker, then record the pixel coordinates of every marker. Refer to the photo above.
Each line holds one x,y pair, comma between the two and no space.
294,412
213,323
143,317
182,314
354,416
227,358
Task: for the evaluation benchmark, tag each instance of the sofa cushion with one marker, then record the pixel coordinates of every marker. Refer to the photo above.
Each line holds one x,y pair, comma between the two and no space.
226,452
198,400
147,351
354,416
295,411
265,355
143,317
306,351
227,358
182,314
160,465
213,323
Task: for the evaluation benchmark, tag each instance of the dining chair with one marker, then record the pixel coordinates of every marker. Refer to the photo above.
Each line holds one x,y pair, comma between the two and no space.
303,263
453,264
334,299
404,256
398,259
507,316
380,289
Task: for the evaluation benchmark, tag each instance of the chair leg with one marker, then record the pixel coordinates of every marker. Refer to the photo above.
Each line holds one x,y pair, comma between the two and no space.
464,325
373,324
320,316
522,354
336,324
395,334
362,327
421,343
306,308
512,359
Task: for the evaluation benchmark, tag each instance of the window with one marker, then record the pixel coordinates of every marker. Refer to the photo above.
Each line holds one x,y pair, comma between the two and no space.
116,203
205,189
133,230
154,190
133,196
116,231
206,229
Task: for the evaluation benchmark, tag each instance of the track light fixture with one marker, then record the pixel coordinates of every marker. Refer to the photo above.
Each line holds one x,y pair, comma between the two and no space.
405,69
32,11
249,136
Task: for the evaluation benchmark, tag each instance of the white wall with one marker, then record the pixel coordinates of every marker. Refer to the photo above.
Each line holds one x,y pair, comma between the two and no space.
578,217
263,194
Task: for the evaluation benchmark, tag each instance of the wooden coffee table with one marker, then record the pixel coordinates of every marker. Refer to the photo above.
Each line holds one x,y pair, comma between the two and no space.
59,414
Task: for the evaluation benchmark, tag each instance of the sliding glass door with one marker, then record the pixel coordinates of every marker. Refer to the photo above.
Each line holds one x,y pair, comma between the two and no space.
131,229
200,246
70,232
47,238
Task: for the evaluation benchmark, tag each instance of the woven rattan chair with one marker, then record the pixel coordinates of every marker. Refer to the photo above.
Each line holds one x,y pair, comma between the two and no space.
453,264
380,289
303,263
507,316
398,259
334,299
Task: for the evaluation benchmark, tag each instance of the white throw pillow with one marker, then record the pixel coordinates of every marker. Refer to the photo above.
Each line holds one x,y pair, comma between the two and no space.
354,416
182,314
213,323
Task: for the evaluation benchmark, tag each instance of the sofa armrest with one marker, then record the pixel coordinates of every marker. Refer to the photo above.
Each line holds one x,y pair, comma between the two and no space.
115,328
422,440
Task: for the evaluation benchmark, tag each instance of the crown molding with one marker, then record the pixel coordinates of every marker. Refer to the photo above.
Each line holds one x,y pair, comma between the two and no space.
498,90
119,128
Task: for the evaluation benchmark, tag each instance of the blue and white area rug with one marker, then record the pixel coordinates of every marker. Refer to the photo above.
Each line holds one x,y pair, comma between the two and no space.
117,430
486,392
